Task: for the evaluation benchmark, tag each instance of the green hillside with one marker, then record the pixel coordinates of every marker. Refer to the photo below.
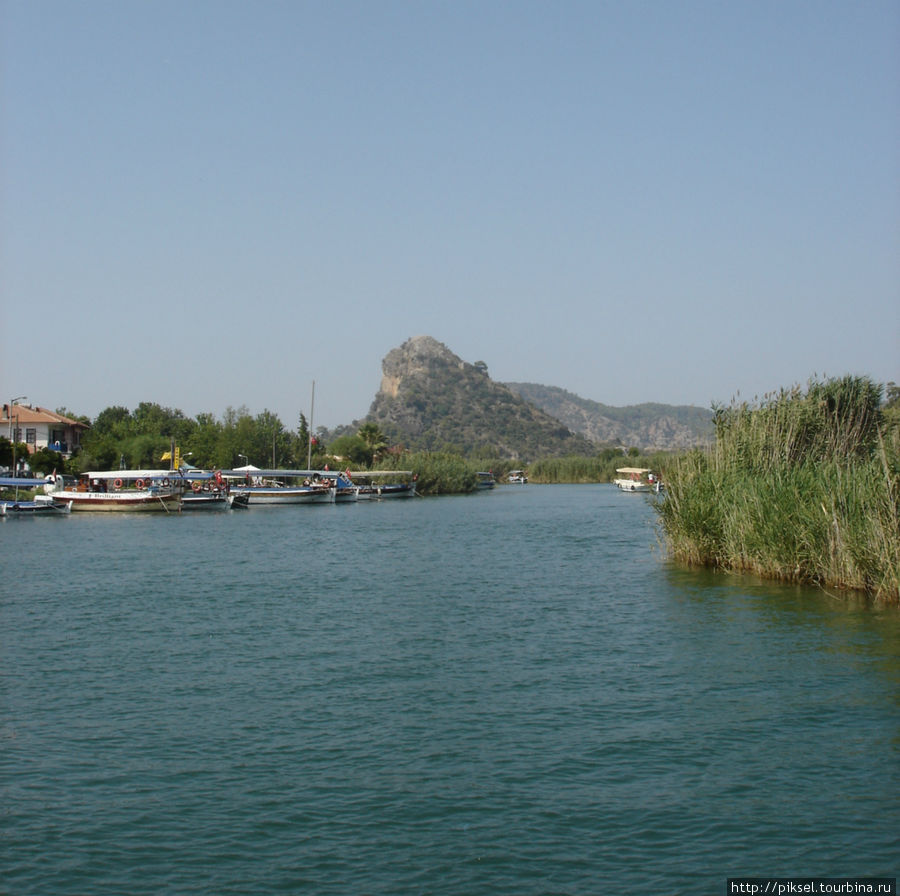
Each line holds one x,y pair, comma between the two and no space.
650,427
432,400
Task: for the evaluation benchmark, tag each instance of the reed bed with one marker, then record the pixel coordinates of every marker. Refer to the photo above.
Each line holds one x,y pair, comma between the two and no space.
801,487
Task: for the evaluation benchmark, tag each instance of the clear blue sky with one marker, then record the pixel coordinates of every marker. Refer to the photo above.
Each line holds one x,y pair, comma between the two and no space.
210,203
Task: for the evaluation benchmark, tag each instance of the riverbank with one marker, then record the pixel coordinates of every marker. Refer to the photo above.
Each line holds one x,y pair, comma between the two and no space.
803,487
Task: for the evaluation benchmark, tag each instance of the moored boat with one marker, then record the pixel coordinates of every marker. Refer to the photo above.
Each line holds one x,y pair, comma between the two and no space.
486,480
238,500
281,486
517,476
204,501
376,484
121,490
202,490
39,505
346,491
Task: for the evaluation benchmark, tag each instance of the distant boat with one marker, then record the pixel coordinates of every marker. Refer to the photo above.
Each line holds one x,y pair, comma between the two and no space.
637,479
517,476
486,480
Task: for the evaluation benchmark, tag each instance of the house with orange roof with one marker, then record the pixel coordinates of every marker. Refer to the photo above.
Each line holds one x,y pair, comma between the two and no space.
41,428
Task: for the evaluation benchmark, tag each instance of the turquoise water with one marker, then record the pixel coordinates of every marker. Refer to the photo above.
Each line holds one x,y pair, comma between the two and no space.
505,693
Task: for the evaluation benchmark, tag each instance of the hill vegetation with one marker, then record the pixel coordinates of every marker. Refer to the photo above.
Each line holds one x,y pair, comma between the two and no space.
431,400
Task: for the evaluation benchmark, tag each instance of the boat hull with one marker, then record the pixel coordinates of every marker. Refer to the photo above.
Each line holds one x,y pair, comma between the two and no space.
628,486
145,501
204,501
304,495
401,490
41,506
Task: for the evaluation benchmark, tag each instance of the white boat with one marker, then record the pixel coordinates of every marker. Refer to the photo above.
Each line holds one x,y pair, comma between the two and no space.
121,490
637,479
517,476
281,486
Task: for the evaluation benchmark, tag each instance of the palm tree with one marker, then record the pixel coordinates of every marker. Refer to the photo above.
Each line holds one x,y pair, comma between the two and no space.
372,435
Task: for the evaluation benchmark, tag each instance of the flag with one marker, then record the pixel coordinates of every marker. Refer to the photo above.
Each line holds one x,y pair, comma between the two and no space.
167,456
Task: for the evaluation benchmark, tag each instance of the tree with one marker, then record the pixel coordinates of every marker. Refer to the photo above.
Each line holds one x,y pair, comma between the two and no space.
111,421
374,441
351,448
45,460
892,395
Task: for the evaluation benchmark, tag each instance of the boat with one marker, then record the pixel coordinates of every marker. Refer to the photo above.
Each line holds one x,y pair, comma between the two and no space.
42,505
637,479
517,476
39,505
486,480
120,490
396,490
238,500
281,486
192,500
401,484
202,490
345,490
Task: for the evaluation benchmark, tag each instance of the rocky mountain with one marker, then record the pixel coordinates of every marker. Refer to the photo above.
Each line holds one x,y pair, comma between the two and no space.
650,427
430,399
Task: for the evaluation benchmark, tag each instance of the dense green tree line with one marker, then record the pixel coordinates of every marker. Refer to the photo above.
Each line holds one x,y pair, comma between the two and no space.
143,437
794,425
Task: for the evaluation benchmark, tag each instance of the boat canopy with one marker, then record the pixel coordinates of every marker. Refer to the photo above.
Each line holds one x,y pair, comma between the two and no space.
14,482
632,471
370,474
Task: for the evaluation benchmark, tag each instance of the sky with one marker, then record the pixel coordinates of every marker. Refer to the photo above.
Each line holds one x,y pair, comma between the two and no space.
212,204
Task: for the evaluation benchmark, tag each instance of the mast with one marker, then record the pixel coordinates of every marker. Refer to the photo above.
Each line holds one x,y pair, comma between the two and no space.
312,407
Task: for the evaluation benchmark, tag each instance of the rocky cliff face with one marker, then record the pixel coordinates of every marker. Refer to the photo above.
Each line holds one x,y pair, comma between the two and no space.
417,357
431,399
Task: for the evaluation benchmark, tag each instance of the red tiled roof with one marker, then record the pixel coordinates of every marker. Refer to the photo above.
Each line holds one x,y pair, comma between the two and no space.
27,414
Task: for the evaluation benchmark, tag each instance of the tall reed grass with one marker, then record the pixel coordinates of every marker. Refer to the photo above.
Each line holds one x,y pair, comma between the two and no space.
801,487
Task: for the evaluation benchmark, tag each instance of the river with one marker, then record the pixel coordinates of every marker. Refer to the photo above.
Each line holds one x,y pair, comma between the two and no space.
506,693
